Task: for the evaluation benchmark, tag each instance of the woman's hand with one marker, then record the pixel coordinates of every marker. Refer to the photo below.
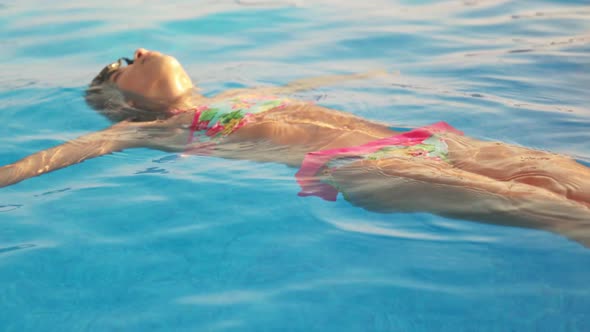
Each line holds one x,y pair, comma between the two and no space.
121,136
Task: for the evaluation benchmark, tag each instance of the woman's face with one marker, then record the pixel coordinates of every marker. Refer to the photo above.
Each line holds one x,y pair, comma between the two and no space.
153,75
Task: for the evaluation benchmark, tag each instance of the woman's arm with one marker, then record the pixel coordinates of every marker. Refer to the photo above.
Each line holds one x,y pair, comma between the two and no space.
304,84
316,82
121,136
402,185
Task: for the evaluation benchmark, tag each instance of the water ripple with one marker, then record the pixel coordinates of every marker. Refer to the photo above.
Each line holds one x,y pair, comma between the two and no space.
213,244
10,207
4,250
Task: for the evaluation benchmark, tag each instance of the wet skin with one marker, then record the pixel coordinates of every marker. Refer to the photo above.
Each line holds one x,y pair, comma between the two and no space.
484,181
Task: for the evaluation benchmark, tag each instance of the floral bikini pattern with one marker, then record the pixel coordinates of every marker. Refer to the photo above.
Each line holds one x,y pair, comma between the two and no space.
425,143
433,147
221,119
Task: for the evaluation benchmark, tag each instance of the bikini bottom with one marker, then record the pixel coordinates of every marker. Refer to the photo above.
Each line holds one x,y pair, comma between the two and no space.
424,142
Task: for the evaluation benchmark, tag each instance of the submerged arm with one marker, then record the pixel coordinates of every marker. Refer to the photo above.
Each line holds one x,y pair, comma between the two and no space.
305,84
316,82
116,138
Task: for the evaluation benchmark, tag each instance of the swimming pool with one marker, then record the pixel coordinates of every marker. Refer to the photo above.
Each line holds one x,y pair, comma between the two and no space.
146,240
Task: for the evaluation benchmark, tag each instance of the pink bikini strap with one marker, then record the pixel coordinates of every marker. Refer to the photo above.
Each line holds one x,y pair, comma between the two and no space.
314,161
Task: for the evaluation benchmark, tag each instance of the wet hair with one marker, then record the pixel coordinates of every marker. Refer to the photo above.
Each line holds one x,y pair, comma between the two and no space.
110,102
109,70
116,105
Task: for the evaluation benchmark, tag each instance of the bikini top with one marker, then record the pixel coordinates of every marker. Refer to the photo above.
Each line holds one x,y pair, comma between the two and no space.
222,118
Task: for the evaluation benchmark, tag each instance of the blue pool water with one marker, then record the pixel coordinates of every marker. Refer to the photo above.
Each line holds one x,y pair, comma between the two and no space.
144,240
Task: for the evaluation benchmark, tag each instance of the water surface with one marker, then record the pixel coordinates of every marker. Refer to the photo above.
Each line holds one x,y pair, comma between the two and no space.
144,240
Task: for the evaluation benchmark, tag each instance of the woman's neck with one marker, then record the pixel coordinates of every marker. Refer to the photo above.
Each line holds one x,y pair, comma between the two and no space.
186,103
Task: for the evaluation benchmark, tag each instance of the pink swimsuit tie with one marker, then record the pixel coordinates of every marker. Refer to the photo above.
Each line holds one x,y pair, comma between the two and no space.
314,161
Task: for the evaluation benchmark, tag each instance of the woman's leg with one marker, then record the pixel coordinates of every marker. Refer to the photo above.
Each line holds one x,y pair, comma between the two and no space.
504,162
414,185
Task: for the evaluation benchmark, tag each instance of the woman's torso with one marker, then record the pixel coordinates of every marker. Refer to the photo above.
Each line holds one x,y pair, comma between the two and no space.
269,128
290,129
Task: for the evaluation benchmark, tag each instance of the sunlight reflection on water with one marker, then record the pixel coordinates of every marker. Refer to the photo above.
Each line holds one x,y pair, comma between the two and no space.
149,240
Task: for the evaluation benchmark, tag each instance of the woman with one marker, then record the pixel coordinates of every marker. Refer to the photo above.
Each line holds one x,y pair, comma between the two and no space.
434,169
